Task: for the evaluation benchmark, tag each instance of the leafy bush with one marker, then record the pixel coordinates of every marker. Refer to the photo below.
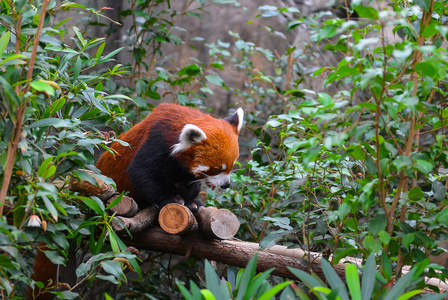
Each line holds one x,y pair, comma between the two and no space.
373,285
53,105
245,285
360,170
354,167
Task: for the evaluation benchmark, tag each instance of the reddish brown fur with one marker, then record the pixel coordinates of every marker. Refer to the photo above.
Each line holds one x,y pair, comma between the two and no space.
221,142
44,271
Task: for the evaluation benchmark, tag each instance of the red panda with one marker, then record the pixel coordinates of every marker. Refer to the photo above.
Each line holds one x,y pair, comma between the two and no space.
171,152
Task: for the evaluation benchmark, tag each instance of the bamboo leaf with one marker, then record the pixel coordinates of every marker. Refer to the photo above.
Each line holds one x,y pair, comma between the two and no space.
334,280
368,277
351,273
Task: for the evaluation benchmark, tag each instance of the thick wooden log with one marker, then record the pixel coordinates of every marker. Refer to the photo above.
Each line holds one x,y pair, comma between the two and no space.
217,223
176,218
214,223
102,190
138,223
225,251
126,208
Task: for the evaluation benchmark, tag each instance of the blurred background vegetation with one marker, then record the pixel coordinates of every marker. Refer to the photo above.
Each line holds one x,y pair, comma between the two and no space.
344,149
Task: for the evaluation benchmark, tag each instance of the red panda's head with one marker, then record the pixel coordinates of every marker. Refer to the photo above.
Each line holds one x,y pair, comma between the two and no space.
208,147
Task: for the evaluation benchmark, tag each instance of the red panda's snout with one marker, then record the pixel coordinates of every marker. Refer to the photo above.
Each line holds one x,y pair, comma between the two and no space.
222,180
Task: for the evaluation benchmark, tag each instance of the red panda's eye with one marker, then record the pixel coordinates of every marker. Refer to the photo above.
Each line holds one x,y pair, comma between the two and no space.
218,170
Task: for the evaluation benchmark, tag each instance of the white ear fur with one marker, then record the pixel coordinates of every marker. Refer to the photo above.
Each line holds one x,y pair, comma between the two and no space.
236,119
240,114
190,135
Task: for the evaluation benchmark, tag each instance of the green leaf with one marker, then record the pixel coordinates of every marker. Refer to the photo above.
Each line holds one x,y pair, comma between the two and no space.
115,201
100,50
306,278
77,68
54,257
94,203
9,91
112,267
400,286
384,237
407,239
207,294
55,122
113,237
193,70
367,12
153,95
6,262
274,290
54,107
44,166
377,223
213,283
215,79
368,277
92,98
79,35
255,285
371,106
439,190
333,279
386,265
409,294
351,273
416,194
423,166
4,40
247,278
372,243
327,32
187,295
108,56
402,162
424,4
49,205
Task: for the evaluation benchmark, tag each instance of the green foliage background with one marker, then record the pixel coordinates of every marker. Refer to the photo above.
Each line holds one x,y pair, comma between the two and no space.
355,168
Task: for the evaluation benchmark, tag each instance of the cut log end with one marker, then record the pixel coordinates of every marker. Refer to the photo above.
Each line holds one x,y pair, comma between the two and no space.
218,223
127,207
175,218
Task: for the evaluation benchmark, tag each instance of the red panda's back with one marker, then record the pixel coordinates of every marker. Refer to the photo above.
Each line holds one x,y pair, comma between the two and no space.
174,117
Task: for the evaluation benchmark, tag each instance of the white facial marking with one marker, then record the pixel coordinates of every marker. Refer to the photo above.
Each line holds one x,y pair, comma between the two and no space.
200,169
219,180
224,167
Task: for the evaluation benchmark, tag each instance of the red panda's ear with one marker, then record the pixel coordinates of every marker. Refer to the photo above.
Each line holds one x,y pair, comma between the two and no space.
236,119
190,135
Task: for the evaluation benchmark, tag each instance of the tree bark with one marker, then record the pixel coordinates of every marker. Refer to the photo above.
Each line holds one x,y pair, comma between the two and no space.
228,252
